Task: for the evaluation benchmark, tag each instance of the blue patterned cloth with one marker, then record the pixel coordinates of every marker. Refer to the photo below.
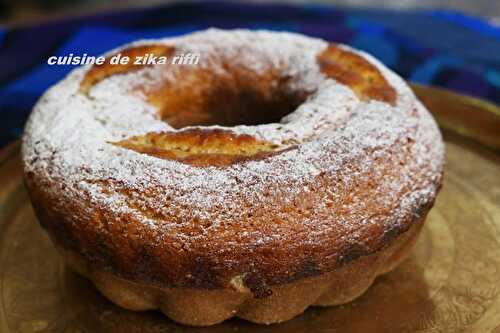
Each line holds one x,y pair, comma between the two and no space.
443,48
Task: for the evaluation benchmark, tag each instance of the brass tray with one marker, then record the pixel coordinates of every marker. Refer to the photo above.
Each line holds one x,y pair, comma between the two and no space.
450,284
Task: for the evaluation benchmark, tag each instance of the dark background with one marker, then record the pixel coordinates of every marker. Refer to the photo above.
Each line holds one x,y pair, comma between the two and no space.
26,11
431,42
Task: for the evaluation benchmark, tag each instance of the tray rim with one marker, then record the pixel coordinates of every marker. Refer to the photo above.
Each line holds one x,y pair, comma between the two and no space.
479,119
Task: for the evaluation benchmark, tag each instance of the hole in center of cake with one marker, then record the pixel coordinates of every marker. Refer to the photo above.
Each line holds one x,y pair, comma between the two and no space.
226,93
235,97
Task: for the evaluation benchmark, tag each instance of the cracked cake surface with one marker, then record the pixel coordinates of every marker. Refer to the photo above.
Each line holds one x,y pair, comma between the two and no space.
250,176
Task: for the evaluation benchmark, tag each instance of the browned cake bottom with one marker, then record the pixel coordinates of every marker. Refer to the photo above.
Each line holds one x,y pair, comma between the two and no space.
201,307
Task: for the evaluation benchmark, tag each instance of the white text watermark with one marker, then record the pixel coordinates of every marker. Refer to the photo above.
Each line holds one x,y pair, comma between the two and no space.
119,59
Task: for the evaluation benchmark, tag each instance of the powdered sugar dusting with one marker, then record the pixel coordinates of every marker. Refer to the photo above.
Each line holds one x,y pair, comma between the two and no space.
67,142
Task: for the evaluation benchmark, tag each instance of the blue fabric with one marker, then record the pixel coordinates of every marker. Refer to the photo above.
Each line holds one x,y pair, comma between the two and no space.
443,48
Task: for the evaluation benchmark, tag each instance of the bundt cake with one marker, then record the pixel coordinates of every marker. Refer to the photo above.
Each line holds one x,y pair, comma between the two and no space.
278,172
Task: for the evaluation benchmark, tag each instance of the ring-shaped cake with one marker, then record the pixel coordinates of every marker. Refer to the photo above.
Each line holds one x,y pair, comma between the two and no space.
279,172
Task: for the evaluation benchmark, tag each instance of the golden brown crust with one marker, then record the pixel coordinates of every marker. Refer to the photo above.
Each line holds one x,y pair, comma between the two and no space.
201,307
133,251
201,147
358,73
98,73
